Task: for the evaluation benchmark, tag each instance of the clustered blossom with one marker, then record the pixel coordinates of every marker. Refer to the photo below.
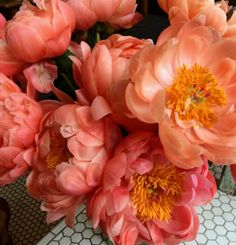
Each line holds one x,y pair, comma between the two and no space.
132,138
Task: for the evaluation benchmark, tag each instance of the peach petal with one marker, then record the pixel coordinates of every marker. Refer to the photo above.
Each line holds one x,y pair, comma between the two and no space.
137,106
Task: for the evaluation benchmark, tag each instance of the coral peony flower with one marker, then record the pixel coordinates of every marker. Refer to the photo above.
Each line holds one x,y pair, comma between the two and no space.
187,86
118,13
9,65
144,197
104,72
34,34
19,123
72,149
220,16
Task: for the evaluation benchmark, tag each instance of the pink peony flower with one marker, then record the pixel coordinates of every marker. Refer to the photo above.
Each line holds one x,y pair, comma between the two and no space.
49,30
144,197
72,149
118,13
187,86
104,72
19,123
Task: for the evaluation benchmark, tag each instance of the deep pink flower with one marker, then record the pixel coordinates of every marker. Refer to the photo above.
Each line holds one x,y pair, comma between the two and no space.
19,123
72,149
144,197
34,34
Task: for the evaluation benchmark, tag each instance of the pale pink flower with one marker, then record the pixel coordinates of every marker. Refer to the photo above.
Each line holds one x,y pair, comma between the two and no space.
34,34
19,123
71,150
144,197
104,72
187,86
118,13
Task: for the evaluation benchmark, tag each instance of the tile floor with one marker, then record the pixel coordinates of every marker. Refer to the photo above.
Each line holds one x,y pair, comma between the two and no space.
217,226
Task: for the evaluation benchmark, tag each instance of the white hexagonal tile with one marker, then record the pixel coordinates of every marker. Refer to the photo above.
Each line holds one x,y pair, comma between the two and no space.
229,226
65,241
85,242
89,224
220,230
215,203
217,211
88,233
201,219
82,217
68,231
201,229
231,236
211,243
228,216
96,239
226,207
207,215
219,220
201,239
79,227
233,203
209,224
207,207
199,210
222,240
76,237
210,234
224,199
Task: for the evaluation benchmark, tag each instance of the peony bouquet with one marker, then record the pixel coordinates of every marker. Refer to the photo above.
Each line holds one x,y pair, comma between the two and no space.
123,125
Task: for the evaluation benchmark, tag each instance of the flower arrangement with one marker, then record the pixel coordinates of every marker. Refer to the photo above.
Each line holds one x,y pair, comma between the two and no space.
123,125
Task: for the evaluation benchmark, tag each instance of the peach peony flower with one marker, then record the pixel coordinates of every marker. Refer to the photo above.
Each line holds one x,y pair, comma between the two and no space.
19,123
104,72
144,197
220,16
49,30
187,86
118,13
72,149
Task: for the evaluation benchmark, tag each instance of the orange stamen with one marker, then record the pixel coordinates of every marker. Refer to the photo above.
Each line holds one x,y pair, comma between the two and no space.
154,193
194,94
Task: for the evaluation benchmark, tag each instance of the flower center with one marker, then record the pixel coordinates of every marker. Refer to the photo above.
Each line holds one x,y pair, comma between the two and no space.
194,94
58,151
154,193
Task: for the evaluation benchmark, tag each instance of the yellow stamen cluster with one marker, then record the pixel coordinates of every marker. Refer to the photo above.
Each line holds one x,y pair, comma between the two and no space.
154,193
194,94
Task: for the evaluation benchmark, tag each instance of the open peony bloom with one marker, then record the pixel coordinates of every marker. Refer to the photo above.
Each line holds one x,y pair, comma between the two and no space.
36,33
219,16
187,86
19,123
119,13
144,197
105,72
72,149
